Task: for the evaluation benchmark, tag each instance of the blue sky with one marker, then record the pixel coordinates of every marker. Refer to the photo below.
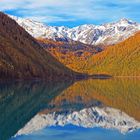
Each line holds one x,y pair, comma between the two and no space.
73,12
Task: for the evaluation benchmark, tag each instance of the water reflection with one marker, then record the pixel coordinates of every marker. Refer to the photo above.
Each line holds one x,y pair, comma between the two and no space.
105,117
71,132
92,103
122,94
20,101
112,103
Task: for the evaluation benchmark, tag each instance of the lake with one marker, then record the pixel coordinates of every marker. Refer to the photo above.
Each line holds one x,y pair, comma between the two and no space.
82,110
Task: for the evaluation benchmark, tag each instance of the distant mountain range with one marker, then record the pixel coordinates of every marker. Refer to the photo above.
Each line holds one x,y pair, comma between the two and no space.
86,49
79,48
103,35
121,59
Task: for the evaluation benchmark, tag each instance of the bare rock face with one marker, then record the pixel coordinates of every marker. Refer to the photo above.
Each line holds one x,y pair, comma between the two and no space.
106,34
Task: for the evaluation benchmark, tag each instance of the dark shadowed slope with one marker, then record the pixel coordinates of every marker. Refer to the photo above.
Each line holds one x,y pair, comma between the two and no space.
22,57
20,101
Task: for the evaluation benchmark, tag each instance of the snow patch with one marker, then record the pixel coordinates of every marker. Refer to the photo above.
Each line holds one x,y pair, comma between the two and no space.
106,34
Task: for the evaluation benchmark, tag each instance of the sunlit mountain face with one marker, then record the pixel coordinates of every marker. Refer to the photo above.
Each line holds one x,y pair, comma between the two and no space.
103,35
84,106
91,49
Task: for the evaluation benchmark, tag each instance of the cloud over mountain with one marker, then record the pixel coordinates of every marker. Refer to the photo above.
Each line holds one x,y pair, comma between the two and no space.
71,11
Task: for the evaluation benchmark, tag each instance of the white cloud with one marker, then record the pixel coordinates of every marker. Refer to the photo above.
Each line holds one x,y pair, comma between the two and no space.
50,19
70,10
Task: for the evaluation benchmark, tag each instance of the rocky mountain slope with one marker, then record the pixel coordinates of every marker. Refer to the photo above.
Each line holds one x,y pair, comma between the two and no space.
21,56
103,35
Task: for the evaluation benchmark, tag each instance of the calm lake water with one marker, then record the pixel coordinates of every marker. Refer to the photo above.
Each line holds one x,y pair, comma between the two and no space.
83,110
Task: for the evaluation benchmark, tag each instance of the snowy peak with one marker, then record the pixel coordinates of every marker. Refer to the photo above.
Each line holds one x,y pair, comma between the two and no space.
35,28
126,21
106,34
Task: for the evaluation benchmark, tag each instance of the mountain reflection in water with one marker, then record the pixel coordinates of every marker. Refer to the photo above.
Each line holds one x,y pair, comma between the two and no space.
112,103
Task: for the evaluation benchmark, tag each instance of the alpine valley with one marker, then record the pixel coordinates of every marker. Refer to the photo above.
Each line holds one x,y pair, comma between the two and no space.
60,83
111,48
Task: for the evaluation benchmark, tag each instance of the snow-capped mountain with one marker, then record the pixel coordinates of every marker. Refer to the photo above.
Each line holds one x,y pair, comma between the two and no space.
105,34
105,117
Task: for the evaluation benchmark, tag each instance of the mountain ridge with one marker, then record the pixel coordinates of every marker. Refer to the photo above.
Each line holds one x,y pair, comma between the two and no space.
105,34
109,36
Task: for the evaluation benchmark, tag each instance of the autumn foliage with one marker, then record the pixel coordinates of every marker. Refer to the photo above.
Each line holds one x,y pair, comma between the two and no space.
122,59
21,56
72,54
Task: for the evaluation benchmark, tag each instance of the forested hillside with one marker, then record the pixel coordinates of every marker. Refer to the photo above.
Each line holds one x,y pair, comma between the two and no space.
21,56
122,59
